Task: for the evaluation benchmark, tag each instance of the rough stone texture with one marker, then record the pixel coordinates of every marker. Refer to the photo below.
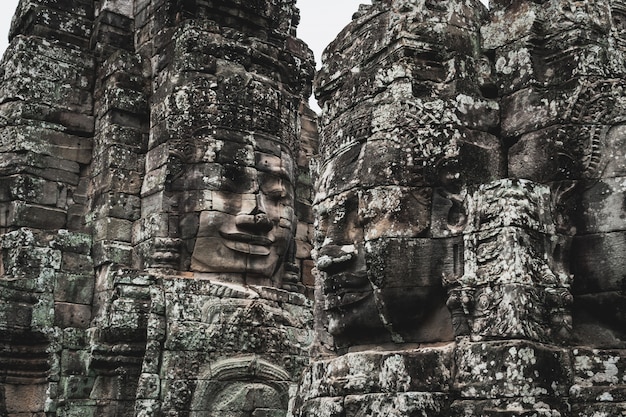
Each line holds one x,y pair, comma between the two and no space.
168,218
471,158
156,200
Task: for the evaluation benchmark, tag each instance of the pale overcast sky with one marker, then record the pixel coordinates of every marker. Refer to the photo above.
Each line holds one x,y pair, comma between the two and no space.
321,20
7,9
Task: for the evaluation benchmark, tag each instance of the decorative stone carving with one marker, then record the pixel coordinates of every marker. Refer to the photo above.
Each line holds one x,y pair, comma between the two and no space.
251,221
512,286
172,140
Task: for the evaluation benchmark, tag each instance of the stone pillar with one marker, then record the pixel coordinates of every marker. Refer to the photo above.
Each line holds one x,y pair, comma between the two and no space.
46,279
561,67
225,219
512,306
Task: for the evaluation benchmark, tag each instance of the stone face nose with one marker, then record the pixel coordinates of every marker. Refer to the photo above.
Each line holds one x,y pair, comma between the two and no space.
257,222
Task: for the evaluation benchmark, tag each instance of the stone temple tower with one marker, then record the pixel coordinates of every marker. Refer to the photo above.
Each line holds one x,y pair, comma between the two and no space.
156,208
470,212
176,240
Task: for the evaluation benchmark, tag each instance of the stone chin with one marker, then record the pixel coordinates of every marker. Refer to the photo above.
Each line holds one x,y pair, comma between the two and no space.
354,317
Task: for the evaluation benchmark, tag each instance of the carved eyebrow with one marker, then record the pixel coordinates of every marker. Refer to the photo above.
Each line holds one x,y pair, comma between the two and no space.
279,173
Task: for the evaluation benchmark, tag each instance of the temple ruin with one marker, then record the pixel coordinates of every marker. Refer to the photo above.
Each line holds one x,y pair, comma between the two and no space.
182,236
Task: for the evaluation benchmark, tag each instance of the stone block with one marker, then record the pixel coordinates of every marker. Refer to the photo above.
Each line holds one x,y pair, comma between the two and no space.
118,180
398,404
79,409
600,207
74,242
323,407
31,261
118,253
39,165
512,369
123,99
534,108
394,212
22,214
45,68
157,157
15,315
112,228
53,93
30,114
424,261
26,399
599,375
511,406
308,277
153,225
38,20
74,362
118,205
110,134
74,288
598,409
74,338
371,372
115,117
600,319
509,21
115,387
149,386
77,263
154,181
118,156
597,262
72,315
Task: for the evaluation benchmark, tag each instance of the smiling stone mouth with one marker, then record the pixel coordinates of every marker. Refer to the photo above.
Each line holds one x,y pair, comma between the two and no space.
249,244
248,238
346,289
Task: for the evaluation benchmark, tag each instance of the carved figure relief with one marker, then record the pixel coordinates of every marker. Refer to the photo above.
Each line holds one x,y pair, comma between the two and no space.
514,284
240,387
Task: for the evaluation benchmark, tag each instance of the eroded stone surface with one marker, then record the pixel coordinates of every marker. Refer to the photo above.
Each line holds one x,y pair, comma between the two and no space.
167,219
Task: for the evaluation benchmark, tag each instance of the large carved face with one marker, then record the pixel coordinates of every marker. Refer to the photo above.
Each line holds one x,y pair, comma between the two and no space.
249,223
381,280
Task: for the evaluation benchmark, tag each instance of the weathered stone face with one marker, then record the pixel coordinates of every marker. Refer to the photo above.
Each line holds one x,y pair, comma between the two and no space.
251,222
403,116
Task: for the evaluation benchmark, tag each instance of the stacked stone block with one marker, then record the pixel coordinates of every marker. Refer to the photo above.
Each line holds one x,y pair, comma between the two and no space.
104,123
47,130
222,349
560,67
534,275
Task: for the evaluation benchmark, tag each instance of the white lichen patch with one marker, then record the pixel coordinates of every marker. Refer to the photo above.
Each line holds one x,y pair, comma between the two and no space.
393,376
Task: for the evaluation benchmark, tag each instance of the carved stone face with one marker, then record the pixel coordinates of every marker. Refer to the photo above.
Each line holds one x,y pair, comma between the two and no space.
250,223
348,294
382,275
